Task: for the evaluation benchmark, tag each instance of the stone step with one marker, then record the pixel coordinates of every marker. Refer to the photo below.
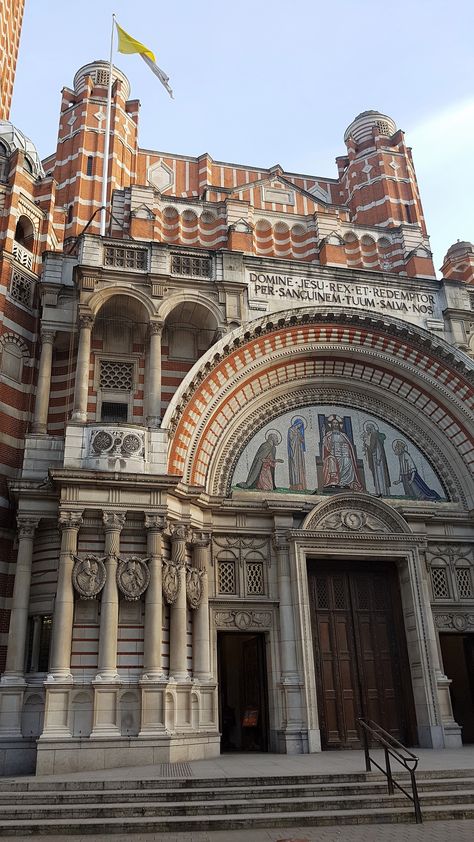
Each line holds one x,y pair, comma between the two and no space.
191,793
209,807
312,818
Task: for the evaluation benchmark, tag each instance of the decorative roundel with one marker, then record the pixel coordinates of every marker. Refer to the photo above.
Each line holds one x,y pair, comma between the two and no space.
131,444
102,441
133,577
88,576
194,587
171,582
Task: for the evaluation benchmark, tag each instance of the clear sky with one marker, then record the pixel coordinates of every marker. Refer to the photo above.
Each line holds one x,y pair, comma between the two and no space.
276,82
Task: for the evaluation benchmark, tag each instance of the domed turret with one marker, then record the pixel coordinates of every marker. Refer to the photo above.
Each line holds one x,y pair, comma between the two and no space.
458,265
99,72
361,128
12,138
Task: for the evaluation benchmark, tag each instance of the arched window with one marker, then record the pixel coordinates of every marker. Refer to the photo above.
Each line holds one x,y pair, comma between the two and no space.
24,233
4,159
11,362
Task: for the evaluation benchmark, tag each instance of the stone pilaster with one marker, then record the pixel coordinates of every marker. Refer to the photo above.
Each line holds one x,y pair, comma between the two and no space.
40,420
178,614
154,375
113,525
81,388
201,652
60,658
12,684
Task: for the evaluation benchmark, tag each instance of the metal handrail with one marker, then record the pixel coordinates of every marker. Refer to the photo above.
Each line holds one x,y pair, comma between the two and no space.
392,748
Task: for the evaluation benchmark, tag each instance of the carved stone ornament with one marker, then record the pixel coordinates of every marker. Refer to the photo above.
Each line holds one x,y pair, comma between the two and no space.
171,582
133,577
352,520
194,586
26,526
243,619
112,442
454,621
88,576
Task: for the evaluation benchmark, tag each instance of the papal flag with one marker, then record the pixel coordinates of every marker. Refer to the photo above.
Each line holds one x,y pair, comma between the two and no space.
127,44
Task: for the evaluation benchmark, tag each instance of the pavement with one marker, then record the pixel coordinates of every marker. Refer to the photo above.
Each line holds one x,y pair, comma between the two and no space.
248,765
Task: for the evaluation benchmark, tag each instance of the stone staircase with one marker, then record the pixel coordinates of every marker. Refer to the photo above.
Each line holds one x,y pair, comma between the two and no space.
42,806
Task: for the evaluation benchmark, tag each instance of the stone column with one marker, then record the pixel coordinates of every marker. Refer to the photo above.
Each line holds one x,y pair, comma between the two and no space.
178,615
40,420
152,669
81,388
201,654
290,735
154,375
113,525
60,658
35,644
14,667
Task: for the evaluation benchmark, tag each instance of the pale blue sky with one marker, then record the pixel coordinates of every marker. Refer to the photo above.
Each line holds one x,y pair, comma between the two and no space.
276,82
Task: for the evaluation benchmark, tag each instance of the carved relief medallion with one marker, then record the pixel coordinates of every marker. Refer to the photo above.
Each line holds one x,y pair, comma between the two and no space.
170,582
243,619
133,577
88,576
194,586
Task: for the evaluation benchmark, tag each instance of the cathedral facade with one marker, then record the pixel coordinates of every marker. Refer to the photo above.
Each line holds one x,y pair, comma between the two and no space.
237,451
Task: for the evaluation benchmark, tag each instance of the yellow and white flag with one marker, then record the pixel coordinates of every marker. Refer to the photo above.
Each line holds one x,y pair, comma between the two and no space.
127,44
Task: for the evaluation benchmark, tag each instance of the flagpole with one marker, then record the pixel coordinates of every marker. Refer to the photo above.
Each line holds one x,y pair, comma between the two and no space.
105,169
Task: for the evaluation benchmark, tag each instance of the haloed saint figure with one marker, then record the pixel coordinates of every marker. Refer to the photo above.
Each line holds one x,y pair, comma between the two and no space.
261,475
296,454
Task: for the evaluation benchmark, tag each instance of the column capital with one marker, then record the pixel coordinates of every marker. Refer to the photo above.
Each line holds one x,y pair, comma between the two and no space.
155,328
155,522
26,526
113,521
178,532
69,520
201,539
280,543
86,320
47,336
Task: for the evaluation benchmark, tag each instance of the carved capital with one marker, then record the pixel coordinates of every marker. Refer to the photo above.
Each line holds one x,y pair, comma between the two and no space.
47,336
178,532
113,521
86,320
69,520
155,522
280,543
26,526
155,328
201,539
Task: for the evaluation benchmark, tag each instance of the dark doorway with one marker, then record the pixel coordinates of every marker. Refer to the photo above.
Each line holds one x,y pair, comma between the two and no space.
458,661
243,707
360,652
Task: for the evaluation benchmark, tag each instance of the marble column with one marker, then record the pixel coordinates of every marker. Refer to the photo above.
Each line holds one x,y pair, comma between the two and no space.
178,615
152,669
60,657
109,607
16,649
81,388
201,653
40,419
289,670
154,375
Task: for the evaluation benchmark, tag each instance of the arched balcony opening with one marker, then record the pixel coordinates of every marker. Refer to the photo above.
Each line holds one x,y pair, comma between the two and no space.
189,330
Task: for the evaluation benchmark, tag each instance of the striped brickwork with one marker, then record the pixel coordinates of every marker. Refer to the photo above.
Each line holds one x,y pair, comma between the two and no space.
11,18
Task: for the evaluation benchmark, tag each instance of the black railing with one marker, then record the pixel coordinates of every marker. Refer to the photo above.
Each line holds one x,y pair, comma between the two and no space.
392,748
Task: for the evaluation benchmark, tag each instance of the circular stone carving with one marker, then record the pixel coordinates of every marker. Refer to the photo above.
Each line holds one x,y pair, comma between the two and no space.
171,582
353,520
133,577
243,620
88,576
102,441
194,589
459,622
131,444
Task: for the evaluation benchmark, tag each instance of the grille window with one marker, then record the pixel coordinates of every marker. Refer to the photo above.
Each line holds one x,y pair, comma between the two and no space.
123,258
116,375
21,289
439,581
255,578
464,582
196,267
226,577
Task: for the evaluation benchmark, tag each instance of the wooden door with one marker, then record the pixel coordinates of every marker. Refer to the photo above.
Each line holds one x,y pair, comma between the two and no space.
358,649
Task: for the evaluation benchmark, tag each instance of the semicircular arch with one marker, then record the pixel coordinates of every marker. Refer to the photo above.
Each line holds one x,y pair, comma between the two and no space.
98,299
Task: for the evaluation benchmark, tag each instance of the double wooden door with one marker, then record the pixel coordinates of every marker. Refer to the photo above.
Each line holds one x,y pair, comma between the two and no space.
360,652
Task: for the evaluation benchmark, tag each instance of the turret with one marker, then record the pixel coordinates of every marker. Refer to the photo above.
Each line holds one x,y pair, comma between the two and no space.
458,264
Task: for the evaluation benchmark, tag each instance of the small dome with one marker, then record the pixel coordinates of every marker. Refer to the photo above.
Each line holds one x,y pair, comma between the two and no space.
461,247
361,128
12,138
99,72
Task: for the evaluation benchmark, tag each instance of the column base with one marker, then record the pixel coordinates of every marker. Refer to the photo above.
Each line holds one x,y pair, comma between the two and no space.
79,417
107,677
61,677
11,706
106,710
56,711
